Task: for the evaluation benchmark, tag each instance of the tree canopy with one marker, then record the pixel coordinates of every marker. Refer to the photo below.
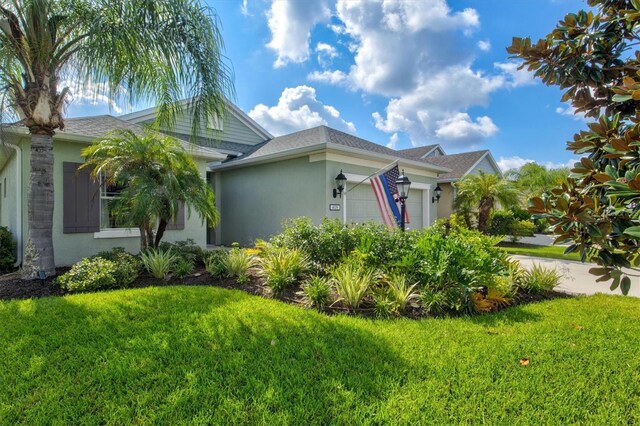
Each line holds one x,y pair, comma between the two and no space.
591,55
533,179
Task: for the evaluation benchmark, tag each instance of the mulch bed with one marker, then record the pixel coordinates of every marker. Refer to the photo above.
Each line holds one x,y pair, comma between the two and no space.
12,286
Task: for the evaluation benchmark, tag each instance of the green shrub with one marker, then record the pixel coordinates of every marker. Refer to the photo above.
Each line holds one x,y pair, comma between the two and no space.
214,262
187,249
539,279
183,267
434,302
238,264
282,267
129,266
352,282
522,228
90,274
500,222
7,250
158,263
317,292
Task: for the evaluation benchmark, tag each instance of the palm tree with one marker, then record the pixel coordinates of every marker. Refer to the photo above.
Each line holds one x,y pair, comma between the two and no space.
138,50
484,190
156,175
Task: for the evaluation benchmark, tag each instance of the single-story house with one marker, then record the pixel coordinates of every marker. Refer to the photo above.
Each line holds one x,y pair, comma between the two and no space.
461,165
259,181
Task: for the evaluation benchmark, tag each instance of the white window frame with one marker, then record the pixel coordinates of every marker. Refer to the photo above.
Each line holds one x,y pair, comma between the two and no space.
111,232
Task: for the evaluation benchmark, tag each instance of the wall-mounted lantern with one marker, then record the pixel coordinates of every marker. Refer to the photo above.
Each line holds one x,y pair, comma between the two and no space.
341,181
436,191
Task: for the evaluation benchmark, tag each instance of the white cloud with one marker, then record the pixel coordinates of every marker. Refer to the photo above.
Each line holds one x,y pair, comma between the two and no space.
298,108
244,8
291,22
393,141
331,77
91,94
515,162
570,111
484,45
326,53
515,77
460,128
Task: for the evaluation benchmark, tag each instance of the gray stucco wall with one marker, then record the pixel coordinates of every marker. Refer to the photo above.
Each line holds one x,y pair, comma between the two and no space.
253,201
445,205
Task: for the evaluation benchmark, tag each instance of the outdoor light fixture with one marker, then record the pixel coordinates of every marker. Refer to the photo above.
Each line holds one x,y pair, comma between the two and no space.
436,191
341,181
403,184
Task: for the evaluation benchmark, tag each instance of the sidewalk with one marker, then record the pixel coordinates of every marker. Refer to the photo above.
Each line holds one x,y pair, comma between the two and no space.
576,276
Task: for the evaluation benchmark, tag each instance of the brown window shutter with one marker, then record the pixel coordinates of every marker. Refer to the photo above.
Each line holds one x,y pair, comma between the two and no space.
80,200
178,223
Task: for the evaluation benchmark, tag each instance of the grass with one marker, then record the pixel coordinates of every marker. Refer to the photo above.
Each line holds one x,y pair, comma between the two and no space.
211,356
552,252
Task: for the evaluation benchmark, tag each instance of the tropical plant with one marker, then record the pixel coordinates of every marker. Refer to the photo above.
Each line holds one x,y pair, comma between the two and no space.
482,191
352,281
183,267
89,275
399,292
384,307
238,263
214,262
158,263
592,55
282,267
156,174
134,50
317,292
539,279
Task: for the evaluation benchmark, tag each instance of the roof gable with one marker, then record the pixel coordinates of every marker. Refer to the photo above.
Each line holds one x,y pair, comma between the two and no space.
422,151
461,164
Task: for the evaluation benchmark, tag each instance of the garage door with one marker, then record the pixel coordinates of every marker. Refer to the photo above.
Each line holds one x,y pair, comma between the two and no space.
363,207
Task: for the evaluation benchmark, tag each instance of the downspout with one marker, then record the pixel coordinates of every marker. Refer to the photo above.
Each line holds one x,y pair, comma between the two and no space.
19,235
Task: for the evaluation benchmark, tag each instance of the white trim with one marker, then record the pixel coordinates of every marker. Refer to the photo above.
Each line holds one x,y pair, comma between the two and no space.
356,161
364,179
19,231
117,233
438,147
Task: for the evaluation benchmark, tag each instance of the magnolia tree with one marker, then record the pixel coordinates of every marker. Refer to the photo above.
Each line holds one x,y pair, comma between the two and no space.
592,56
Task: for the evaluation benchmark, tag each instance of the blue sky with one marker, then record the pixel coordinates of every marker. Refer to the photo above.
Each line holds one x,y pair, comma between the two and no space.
398,73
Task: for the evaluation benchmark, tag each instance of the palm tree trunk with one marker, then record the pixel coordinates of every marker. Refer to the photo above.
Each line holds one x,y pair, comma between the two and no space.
162,226
40,209
484,210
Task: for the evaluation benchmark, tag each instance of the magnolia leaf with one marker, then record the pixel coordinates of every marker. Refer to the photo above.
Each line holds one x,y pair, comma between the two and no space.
524,362
633,231
598,271
625,285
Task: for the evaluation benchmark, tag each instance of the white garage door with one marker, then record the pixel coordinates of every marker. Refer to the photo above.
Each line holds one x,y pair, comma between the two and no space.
363,207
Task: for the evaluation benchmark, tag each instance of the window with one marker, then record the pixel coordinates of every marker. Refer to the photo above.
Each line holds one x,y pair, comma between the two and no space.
111,214
215,122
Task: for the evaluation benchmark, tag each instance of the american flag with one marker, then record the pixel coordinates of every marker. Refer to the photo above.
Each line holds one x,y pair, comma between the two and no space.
386,192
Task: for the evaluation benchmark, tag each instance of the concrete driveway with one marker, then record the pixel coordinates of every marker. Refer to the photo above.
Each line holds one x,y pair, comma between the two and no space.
576,276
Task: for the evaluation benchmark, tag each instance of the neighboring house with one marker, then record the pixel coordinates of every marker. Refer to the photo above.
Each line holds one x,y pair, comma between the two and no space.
259,181
460,165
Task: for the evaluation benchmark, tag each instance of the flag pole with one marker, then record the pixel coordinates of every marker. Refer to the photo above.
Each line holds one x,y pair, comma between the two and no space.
374,173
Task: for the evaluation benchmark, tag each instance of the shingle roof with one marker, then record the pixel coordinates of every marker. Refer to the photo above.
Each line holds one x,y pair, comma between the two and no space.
94,126
420,151
458,163
315,136
99,125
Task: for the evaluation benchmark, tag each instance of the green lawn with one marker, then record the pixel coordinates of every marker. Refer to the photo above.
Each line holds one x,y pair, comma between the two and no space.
553,252
207,355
